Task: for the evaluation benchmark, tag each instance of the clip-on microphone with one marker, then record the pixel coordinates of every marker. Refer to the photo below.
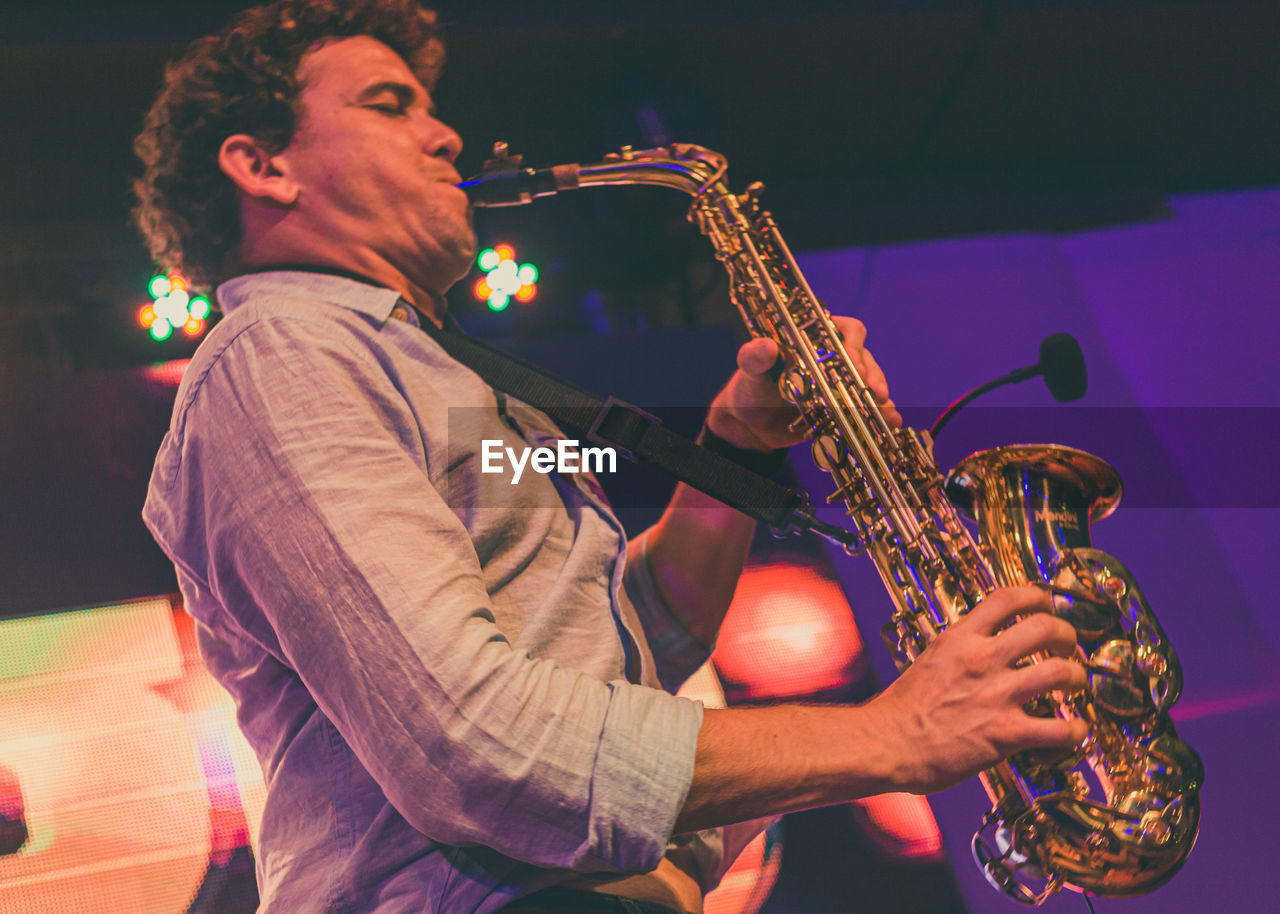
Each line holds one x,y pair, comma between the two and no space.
1061,363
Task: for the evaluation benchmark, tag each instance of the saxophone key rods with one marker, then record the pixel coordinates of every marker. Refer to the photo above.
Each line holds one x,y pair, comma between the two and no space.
1120,814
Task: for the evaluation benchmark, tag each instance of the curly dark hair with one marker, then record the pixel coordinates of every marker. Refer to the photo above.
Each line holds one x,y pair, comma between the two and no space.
245,80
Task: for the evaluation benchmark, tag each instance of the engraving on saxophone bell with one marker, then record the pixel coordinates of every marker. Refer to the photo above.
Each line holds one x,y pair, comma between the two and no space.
1063,518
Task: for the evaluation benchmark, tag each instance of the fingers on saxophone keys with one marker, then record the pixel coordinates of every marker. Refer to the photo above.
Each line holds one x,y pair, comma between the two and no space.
852,331
1064,599
1038,633
758,356
1044,732
891,414
1000,606
1053,674
874,376
875,379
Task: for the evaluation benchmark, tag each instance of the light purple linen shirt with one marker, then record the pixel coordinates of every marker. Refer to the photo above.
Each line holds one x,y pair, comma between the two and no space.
430,662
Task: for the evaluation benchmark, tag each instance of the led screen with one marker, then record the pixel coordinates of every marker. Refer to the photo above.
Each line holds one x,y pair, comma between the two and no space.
124,783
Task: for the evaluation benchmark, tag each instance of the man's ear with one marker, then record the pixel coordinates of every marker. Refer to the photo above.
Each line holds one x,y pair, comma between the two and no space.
255,171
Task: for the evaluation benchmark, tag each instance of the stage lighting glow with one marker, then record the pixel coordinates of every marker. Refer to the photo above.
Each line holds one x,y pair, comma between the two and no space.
903,824
789,633
120,756
504,278
174,306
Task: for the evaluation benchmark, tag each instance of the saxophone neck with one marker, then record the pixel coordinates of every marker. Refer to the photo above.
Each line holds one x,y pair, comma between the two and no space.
505,181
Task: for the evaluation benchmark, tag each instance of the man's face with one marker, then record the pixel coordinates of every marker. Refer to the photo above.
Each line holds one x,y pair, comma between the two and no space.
375,167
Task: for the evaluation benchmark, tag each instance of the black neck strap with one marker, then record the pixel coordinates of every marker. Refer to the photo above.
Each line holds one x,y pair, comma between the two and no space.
636,435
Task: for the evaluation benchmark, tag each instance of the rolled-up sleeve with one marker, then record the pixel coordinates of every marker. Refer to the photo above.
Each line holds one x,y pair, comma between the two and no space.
301,471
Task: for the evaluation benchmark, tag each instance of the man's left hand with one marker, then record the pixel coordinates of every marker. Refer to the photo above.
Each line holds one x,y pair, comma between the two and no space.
750,412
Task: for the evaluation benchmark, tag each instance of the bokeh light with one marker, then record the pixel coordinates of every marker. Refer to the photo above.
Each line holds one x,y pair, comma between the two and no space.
504,278
173,306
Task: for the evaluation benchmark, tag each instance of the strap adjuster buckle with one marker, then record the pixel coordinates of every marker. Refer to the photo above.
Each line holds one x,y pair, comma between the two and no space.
630,427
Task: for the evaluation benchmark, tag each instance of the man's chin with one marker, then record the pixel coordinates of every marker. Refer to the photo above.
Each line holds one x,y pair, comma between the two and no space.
465,256
454,268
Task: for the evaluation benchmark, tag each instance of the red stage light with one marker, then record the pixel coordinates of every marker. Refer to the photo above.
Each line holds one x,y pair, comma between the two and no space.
789,632
746,886
903,824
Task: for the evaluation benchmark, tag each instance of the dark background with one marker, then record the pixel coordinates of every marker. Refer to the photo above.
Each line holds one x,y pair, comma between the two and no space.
870,122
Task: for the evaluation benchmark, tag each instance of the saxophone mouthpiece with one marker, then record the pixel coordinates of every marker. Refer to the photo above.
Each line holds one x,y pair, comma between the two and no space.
504,181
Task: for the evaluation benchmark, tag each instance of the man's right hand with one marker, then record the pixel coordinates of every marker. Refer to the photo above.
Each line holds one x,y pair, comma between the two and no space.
959,708
954,712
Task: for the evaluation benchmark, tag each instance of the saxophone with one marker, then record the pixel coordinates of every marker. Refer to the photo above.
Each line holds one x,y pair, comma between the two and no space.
1116,816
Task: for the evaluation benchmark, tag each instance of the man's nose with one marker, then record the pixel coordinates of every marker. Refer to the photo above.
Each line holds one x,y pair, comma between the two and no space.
441,140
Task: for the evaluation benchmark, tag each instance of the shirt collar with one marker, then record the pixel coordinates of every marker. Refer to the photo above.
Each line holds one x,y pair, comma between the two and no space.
346,291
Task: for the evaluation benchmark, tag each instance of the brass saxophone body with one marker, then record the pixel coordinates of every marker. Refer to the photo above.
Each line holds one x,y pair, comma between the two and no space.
1119,815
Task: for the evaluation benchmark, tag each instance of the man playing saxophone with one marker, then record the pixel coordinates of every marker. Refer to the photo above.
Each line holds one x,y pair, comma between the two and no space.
460,690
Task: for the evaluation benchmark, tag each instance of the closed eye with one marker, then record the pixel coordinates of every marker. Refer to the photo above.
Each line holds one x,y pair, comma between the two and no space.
388,97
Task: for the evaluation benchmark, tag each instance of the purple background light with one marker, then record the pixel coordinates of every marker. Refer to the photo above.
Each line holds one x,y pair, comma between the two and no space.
1176,318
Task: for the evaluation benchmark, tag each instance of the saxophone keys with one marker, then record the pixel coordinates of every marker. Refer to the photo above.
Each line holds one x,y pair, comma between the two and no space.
1155,659
1098,842
794,385
1090,618
1113,586
1174,763
1150,819
828,454
1111,679
1151,662
1077,784
850,491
